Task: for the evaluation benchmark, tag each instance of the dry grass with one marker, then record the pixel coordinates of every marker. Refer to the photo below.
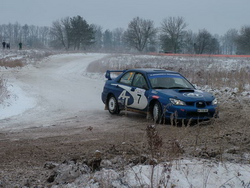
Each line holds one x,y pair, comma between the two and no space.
202,71
224,139
3,90
11,63
12,59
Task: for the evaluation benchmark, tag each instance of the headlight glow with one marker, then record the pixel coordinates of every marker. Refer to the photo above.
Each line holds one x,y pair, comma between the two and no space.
177,102
214,102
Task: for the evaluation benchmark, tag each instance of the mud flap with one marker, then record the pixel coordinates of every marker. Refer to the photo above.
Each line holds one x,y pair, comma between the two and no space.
121,104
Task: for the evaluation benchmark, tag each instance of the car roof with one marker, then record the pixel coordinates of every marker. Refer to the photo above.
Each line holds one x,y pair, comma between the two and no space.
151,71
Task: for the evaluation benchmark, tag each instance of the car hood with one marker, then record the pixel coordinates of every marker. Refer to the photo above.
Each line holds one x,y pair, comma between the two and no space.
185,94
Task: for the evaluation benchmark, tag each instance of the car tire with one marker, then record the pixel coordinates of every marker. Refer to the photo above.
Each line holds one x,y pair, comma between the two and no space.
113,105
157,112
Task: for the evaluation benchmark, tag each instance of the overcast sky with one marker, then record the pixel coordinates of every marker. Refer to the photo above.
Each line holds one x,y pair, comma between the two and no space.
217,16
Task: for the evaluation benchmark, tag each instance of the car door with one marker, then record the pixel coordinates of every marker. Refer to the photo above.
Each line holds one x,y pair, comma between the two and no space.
133,88
123,89
138,90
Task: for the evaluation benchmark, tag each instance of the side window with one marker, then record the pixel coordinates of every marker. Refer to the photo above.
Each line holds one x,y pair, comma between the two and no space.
127,78
139,81
153,82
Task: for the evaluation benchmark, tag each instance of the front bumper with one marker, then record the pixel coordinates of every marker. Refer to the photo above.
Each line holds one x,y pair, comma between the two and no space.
187,112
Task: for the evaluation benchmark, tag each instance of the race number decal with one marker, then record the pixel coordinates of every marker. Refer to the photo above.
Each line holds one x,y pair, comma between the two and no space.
124,97
137,97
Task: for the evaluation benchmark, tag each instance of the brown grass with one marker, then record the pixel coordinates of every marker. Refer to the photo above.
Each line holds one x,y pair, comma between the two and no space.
202,71
11,63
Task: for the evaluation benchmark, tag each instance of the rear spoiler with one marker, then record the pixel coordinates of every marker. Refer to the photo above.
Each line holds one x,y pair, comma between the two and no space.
108,75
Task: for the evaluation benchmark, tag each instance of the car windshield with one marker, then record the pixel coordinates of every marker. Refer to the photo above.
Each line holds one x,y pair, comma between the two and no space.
169,81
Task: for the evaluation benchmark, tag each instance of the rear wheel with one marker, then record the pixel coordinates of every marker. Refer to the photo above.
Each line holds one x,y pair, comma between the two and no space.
113,105
157,112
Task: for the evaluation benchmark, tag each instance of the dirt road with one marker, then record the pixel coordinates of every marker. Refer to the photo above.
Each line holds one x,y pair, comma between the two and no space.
64,120
58,89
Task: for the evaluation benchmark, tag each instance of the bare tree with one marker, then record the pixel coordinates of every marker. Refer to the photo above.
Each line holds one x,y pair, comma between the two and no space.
107,40
206,43
25,34
188,42
17,33
9,32
140,33
33,39
243,40
228,41
172,29
61,33
67,31
44,35
1,33
118,41
98,37
58,34
202,41
214,47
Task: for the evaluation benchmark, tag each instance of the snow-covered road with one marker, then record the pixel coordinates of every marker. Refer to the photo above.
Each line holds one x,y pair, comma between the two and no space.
54,89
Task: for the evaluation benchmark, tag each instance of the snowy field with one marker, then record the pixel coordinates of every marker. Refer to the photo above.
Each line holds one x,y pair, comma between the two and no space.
43,92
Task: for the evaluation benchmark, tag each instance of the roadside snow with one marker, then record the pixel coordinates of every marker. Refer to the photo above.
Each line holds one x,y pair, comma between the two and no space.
177,173
17,103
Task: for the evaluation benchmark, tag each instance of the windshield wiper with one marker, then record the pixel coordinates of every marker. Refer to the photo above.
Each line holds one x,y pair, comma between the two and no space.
160,88
179,88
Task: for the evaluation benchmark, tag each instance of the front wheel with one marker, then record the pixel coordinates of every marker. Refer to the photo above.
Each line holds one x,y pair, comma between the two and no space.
113,105
157,112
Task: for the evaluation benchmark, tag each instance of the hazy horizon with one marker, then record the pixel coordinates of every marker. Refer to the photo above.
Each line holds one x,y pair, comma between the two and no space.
217,16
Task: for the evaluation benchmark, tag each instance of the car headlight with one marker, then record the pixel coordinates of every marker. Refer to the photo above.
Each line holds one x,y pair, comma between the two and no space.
214,102
177,101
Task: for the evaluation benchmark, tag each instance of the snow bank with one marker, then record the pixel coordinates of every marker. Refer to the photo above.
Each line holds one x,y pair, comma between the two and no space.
178,173
17,102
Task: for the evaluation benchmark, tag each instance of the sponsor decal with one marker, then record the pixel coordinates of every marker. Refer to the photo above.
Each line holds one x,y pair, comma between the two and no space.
137,96
192,94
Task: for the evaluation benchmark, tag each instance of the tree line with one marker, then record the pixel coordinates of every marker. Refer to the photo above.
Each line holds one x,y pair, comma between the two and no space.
75,33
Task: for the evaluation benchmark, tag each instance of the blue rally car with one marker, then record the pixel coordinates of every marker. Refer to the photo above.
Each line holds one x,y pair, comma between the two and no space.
158,93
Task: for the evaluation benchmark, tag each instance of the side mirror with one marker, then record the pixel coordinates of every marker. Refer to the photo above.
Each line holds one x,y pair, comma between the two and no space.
145,87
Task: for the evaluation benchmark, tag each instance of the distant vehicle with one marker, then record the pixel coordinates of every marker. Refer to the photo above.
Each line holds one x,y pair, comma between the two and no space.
157,93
